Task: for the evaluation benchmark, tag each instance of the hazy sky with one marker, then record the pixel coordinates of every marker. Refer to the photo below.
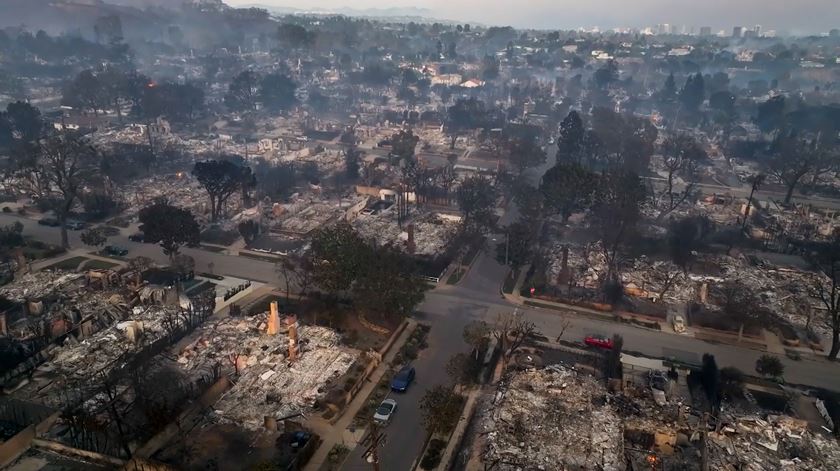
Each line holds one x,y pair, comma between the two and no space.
790,15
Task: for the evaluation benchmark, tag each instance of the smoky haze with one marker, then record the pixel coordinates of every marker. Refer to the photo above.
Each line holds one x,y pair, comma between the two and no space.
802,16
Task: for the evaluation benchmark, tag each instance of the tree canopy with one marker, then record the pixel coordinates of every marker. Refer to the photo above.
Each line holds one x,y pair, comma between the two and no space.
169,226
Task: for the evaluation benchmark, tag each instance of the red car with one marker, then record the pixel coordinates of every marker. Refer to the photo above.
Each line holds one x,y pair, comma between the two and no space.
598,341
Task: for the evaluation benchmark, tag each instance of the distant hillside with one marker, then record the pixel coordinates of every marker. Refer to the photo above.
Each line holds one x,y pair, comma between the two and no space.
58,16
390,12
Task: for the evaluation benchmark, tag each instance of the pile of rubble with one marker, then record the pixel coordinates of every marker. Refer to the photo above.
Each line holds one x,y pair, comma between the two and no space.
777,443
584,264
83,362
554,418
784,292
430,232
270,383
304,215
39,285
181,189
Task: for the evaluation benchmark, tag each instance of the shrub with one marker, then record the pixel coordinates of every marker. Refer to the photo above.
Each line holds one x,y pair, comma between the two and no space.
768,365
410,352
433,454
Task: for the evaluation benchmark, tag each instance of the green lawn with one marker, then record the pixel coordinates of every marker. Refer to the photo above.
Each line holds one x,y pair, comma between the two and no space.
100,265
264,258
71,263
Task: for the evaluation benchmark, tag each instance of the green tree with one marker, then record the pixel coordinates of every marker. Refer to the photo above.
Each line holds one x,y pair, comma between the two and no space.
295,36
606,75
249,230
441,409
570,141
277,92
338,256
567,188
243,92
476,334
693,93
525,153
403,145
477,200
169,226
352,163
85,92
94,237
518,248
463,369
386,285
11,237
21,123
668,94
221,179
771,113
462,116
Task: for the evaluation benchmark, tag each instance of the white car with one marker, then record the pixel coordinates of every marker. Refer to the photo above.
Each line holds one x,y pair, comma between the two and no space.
679,324
385,411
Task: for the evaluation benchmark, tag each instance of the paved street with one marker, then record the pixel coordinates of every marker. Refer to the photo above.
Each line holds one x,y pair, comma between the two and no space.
241,267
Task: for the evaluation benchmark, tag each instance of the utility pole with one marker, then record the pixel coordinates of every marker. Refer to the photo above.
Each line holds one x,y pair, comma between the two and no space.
372,441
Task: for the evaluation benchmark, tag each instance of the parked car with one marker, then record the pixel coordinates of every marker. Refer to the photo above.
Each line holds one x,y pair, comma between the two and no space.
137,237
403,379
598,341
299,439
385,411
115,250
679,324
74,225
52,222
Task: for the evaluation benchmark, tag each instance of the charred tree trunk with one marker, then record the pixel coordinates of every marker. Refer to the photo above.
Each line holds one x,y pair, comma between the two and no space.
789,194
835,345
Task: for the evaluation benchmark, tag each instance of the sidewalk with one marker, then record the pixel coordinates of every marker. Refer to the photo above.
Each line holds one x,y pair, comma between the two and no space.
339,432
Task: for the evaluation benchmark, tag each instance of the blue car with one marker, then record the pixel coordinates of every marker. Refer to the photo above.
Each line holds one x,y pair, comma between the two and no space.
402,379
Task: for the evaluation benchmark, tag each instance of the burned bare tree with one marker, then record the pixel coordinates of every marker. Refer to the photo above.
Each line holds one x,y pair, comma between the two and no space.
792,157
681,155
616,213
65,162
827,290
512,330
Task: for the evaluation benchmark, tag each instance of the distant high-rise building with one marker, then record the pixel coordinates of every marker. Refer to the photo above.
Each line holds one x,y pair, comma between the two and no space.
757,30
675,29
705,31
750,33
834,33
737,31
